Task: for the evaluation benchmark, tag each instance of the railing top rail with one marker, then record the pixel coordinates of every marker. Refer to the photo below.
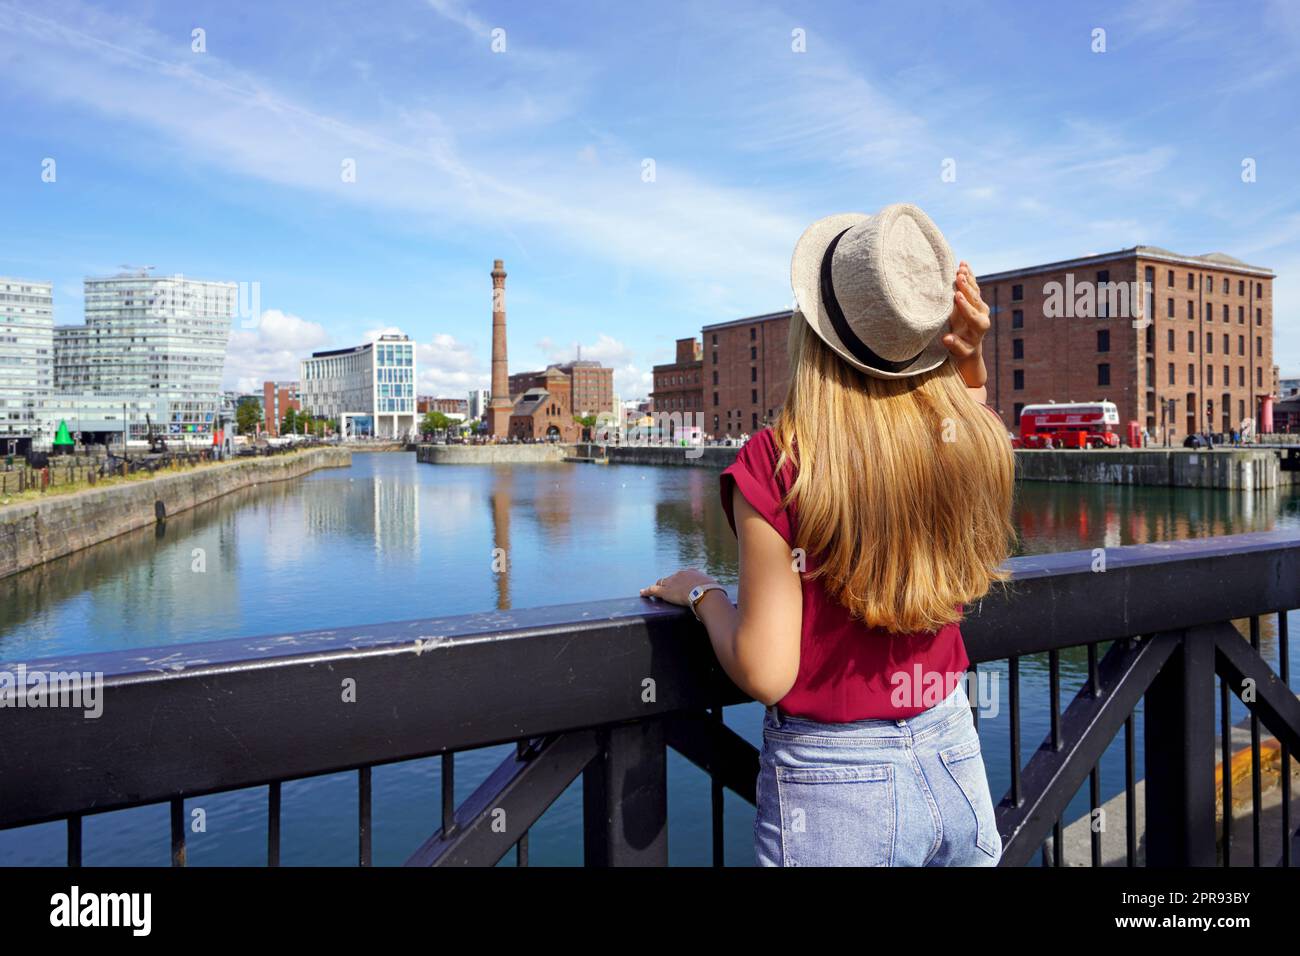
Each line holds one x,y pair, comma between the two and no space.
1156,552
418,636
426,634
199,718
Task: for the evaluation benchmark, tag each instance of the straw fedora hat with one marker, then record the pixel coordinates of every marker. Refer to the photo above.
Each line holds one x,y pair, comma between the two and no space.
878,289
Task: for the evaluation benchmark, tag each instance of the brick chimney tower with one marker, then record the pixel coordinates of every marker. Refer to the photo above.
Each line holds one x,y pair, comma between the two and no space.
500,406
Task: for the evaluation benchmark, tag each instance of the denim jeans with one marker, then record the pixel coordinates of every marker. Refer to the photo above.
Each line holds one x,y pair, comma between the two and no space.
876,792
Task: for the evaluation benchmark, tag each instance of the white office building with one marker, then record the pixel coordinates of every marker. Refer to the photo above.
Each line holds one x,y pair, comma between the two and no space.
150,339
26,358
369,390
478,402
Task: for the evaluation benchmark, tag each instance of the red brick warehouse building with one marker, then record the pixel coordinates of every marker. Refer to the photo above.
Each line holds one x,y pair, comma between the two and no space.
277,399
591,385
736,376
746,373
448,406
1065,331
545,411
677,390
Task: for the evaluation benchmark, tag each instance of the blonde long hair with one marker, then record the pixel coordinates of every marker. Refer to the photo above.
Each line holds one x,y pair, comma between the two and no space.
903,488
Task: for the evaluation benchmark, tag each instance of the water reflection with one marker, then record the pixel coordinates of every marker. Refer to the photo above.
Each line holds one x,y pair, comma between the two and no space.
1060,517
500,498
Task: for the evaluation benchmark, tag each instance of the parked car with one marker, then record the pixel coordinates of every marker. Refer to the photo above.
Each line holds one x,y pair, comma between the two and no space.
1194,441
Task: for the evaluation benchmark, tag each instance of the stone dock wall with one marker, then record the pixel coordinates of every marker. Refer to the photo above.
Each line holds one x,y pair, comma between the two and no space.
34,532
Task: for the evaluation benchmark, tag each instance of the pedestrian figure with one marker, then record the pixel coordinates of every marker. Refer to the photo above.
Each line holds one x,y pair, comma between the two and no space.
870,756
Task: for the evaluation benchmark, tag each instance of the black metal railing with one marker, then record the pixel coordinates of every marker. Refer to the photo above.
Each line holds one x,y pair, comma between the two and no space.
602,690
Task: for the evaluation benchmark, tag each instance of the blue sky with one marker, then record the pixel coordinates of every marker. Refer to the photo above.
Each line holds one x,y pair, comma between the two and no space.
227,164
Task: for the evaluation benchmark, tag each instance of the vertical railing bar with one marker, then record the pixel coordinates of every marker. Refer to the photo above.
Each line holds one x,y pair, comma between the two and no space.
1284,668
1058,844
1130,791
74,840
715,792
1013,679
1256,772
522,749
448,793
1094,685
363,816
1179,753
273,824
1054,692
1094,800
1225,763
178,831
625,797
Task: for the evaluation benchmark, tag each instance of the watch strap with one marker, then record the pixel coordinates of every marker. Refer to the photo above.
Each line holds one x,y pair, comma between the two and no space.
699,592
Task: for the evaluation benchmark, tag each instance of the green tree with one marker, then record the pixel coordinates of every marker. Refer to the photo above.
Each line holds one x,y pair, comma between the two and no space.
434,422
248,417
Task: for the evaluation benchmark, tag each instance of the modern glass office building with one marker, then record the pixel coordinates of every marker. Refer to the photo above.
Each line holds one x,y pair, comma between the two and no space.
369,389
156,338
26,358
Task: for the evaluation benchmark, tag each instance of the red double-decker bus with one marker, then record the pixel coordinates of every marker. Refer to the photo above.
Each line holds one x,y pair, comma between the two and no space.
1069,425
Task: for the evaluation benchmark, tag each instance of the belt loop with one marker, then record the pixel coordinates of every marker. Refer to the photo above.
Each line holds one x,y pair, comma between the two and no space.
774,714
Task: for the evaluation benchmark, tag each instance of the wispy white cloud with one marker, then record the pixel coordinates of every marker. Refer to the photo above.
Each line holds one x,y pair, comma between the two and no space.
448,367
542,147
271,350
460,14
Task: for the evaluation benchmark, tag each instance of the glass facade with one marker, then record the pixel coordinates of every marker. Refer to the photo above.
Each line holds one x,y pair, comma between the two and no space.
377,379
150,337
395,377
26,355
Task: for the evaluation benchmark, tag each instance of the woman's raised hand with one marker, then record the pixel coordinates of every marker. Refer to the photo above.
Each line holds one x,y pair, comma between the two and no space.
966,329
970,316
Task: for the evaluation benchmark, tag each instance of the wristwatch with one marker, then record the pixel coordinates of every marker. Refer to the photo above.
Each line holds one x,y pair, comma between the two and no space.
697,595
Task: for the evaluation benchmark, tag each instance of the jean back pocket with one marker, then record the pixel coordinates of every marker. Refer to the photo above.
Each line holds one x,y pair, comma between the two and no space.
966,766
837,816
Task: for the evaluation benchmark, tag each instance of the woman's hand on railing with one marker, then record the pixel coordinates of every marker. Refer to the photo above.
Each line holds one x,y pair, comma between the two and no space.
676,588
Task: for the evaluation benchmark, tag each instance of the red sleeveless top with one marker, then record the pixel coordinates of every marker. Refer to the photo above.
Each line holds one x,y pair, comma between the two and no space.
847,670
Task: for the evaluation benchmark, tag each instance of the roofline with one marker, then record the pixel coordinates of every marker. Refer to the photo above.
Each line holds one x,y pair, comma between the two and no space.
348,351
1134,252
751,320
160,277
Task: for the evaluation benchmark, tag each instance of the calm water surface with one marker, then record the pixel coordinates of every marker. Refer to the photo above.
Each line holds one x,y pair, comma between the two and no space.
390,539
